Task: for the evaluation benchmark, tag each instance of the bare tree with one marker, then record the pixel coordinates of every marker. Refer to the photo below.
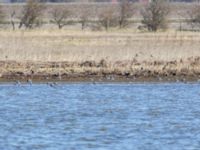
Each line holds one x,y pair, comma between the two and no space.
12,21
31,14
59,16
125,12
194,16
180,19
108,17
2,15
12,16
155,15
83,16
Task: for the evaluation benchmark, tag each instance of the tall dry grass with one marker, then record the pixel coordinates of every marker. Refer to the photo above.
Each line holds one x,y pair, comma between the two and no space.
78,46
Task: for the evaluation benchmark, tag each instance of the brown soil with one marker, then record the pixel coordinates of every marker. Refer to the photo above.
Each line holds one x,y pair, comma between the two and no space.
102,71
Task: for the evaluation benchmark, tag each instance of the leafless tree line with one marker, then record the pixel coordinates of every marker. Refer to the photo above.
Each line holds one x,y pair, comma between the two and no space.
154,16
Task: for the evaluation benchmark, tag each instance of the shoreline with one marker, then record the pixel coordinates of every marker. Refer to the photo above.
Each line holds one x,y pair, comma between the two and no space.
90,71
99,81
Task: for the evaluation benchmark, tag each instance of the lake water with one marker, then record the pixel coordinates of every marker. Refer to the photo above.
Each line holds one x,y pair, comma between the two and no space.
101,117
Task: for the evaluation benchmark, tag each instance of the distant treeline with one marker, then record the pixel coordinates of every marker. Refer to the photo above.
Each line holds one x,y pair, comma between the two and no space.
156,15
57,1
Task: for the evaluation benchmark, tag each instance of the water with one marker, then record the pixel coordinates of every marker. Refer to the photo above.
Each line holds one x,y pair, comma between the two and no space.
100,117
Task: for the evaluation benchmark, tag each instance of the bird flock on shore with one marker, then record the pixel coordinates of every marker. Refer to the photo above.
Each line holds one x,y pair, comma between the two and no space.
30,82
94,81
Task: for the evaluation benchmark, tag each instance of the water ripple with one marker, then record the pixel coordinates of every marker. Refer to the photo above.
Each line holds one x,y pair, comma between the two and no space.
102,116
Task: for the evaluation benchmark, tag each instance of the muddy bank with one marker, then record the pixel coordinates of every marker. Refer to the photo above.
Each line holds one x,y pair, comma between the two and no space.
102,71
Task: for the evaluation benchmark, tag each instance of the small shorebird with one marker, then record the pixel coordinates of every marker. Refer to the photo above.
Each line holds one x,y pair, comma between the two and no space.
112,78
29,81
54,84
160,79
18,83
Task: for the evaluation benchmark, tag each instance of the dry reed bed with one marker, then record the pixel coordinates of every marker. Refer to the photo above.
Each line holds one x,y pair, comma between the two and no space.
80,46
76,53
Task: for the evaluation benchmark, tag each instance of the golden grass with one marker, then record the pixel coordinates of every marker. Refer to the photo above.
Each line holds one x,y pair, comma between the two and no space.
79,46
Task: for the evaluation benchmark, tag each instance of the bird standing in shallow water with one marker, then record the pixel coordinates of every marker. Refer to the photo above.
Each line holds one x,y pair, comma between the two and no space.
18,83
29,81
54,84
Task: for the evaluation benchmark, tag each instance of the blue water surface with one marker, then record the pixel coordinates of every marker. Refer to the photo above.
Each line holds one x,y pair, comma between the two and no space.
84,116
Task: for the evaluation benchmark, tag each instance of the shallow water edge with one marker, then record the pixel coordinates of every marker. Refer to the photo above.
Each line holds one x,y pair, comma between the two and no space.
103,71
99,79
